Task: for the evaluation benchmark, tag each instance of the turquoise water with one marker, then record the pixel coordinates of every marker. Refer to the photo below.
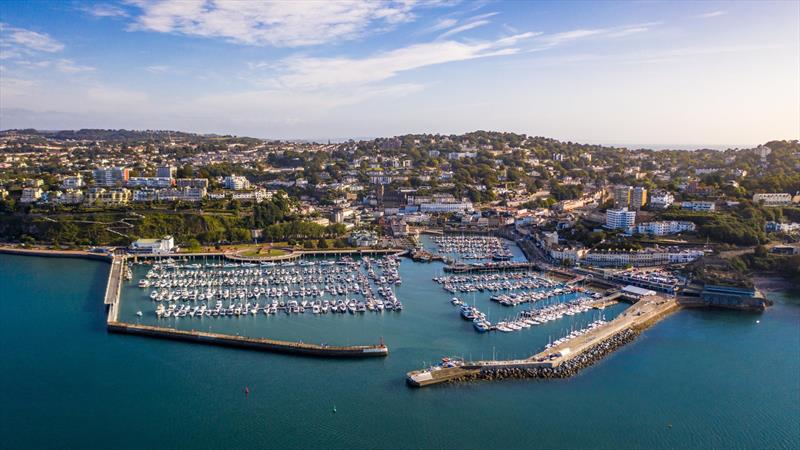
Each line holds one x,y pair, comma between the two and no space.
720,379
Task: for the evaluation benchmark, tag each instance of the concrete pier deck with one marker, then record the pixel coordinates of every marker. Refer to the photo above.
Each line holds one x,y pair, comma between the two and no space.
639,316
270,345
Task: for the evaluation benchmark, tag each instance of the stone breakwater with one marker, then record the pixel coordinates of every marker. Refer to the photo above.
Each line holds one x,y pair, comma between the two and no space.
565,370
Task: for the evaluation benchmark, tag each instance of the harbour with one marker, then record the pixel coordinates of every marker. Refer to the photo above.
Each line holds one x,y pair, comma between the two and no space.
209,380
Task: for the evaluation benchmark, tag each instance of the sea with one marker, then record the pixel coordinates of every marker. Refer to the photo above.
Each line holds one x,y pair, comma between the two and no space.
698,379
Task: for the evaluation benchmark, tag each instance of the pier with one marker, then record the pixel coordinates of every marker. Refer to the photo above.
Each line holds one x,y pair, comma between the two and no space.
263,344
562,360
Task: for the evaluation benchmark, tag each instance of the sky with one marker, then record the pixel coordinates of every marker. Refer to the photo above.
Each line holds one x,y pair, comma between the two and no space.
628,73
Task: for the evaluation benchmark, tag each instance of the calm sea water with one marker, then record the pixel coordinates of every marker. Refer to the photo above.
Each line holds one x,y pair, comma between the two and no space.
720,379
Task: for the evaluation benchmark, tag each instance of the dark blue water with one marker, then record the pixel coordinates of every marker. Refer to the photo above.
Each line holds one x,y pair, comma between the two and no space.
720,379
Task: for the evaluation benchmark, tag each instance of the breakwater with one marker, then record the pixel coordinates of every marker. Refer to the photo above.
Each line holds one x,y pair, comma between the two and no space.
562,360
263,344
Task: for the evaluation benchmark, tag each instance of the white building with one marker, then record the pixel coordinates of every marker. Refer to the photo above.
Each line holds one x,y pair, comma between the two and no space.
661,200
153,182
699,206
664,227
72,182
157,246
182,194
30,195
192,182
620,219
71,197
236,183
363,239
166,172
773,199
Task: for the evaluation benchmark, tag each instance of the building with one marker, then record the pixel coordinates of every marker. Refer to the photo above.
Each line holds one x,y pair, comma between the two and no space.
157,246
662,200
109,177
699,206
620,219
3,193
777,227
236,183
166,172
773,199
622,196
664,227
97,195
152,182
181,194
363,238
145,195
441,203
638,197
72,197
192,182
73,182
30,195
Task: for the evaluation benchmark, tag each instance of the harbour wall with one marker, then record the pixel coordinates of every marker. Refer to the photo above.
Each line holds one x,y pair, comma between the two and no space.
269,345
56,253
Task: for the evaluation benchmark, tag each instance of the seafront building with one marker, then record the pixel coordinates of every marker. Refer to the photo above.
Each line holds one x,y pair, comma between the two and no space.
638,197
156,246
236,183
773,199
620,219
699,206
661,200
663,228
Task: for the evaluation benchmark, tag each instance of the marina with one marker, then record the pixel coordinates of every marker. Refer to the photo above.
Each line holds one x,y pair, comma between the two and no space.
210,379
473,247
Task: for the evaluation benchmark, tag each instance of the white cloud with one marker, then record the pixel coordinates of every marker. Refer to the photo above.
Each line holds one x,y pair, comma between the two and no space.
69,66
709,15
463,28
20,40
104,10
313,73
280,24
556,39
441,24
158,69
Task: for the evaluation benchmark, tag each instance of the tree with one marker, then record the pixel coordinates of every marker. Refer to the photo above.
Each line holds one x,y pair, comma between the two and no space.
308,244
322,243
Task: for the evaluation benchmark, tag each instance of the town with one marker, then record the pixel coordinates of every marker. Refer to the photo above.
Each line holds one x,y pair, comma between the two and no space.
618,212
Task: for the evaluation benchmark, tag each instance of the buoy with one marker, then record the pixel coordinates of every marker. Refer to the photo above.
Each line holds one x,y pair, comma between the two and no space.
334,408
758,321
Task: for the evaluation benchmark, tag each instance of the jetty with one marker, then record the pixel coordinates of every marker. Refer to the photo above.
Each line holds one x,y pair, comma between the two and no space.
263,344
562,360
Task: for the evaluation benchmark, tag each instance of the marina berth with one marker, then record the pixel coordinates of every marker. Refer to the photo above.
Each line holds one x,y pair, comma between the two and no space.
213,290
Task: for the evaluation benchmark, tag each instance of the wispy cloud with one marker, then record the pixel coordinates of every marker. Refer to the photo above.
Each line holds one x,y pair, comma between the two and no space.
69,66
104,10
709,15
19,40
313,73
555,39
279,24
463,28
158,69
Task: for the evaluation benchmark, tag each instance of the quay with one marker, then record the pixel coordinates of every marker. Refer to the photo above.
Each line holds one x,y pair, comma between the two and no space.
562,360
263,344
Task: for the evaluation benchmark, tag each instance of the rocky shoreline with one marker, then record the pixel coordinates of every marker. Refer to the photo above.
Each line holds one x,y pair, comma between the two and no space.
565,370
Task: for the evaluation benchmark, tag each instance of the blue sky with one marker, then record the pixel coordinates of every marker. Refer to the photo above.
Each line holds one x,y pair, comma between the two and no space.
656,73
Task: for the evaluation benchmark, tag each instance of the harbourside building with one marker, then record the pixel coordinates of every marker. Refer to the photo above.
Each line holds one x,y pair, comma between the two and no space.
181,194
110,197
363,238
156,246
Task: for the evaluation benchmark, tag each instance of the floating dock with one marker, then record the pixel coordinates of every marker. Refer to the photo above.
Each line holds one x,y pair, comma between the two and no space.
562,360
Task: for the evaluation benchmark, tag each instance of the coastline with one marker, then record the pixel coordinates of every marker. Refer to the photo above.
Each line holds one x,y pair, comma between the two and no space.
82,254
768,283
